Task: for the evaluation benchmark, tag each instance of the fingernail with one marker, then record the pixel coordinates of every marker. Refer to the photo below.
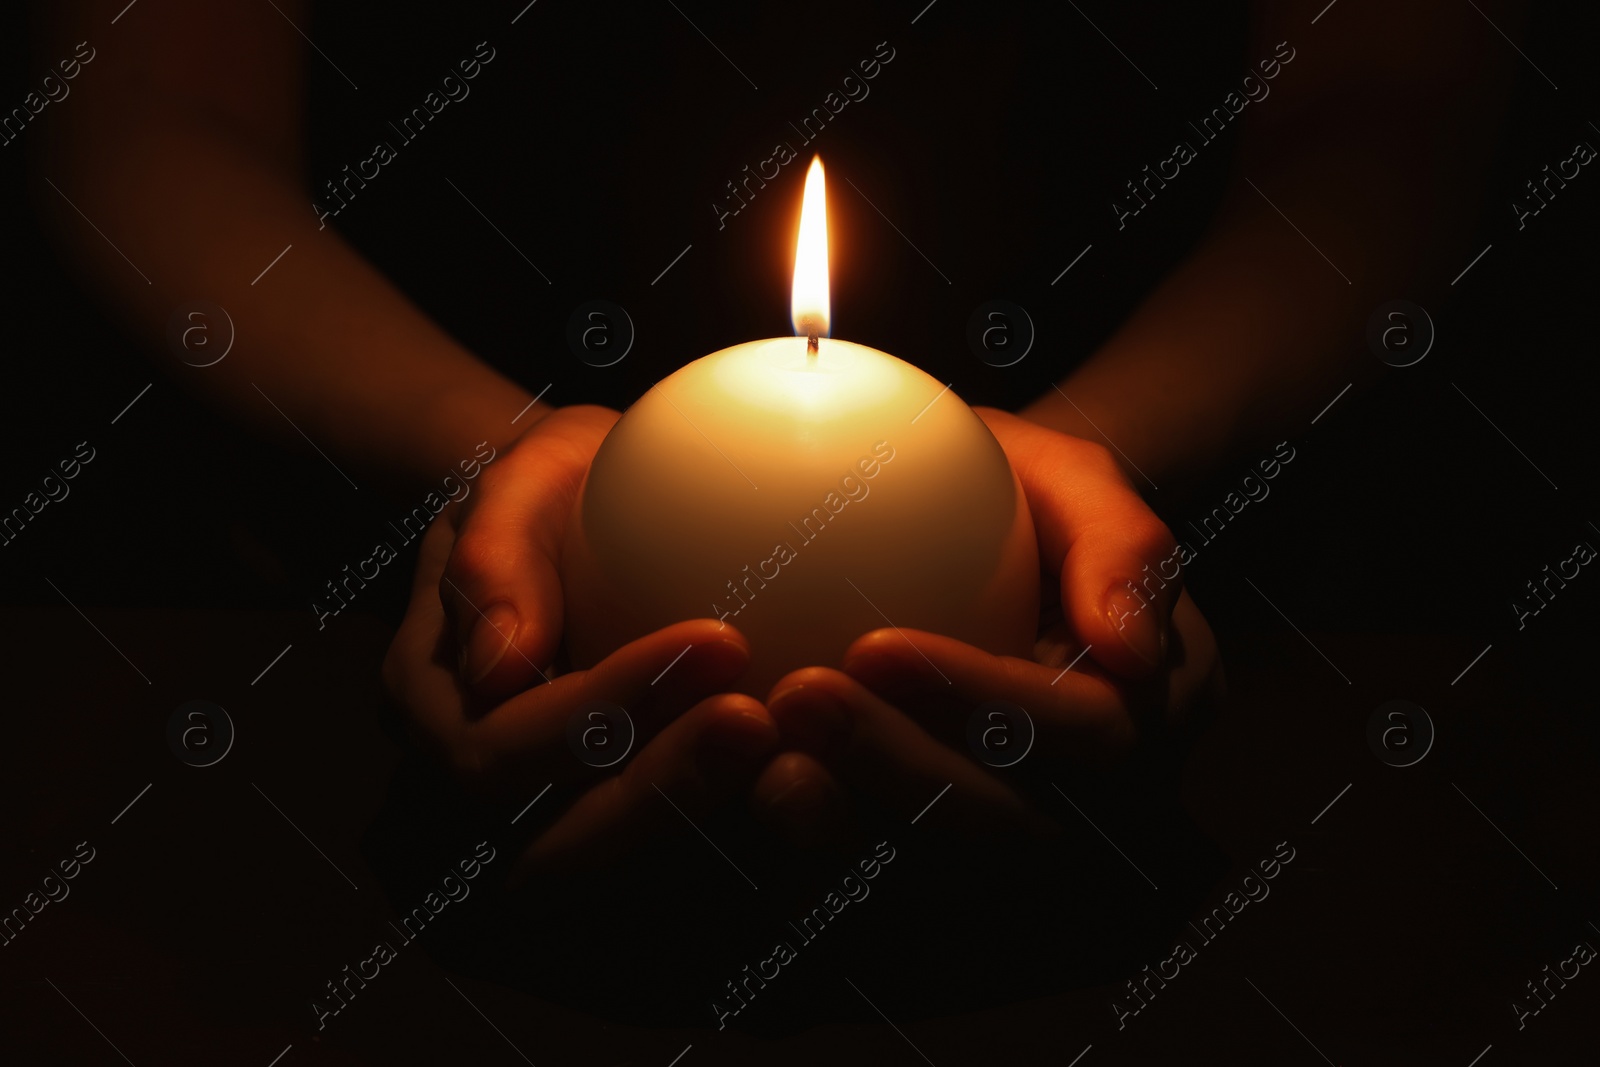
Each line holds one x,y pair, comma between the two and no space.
490,639
1138,622
810,720
732,743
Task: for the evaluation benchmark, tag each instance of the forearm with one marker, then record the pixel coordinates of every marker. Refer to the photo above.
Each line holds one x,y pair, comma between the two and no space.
1245,340
1250,337
1373,171
367,377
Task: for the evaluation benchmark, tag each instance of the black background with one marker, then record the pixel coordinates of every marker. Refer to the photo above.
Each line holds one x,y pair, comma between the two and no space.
597,140
995,140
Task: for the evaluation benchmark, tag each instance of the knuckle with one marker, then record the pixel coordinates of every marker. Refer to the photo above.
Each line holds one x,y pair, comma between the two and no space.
1149,541
490,481
1098,457
474,559
1156,539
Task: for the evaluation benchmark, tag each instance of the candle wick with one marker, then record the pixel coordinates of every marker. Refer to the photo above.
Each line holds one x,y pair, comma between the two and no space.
811,344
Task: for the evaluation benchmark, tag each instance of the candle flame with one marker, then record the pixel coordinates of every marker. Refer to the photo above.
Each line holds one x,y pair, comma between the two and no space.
808,298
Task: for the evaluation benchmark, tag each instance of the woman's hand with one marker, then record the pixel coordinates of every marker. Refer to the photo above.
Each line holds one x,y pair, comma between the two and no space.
473,668
893,724
500,585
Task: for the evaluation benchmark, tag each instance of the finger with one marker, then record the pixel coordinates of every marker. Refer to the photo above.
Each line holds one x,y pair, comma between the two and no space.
1118,562
1198,682
801,801
653,679
1077,712
501,587
884,754
708,756
419,669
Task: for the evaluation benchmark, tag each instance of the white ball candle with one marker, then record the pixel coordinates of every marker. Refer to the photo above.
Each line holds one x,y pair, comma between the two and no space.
806,491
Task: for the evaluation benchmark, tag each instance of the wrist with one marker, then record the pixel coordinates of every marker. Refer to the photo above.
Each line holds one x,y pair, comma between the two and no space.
1133,442
461,417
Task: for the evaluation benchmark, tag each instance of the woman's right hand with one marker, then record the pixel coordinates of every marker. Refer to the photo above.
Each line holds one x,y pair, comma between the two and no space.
500,586
473,667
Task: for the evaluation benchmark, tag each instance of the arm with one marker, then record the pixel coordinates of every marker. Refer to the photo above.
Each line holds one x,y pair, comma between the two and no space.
186,154
1372,140
1362,144
182,142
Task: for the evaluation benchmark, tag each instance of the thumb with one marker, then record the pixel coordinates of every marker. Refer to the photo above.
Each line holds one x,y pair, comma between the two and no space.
1118,562
501,587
